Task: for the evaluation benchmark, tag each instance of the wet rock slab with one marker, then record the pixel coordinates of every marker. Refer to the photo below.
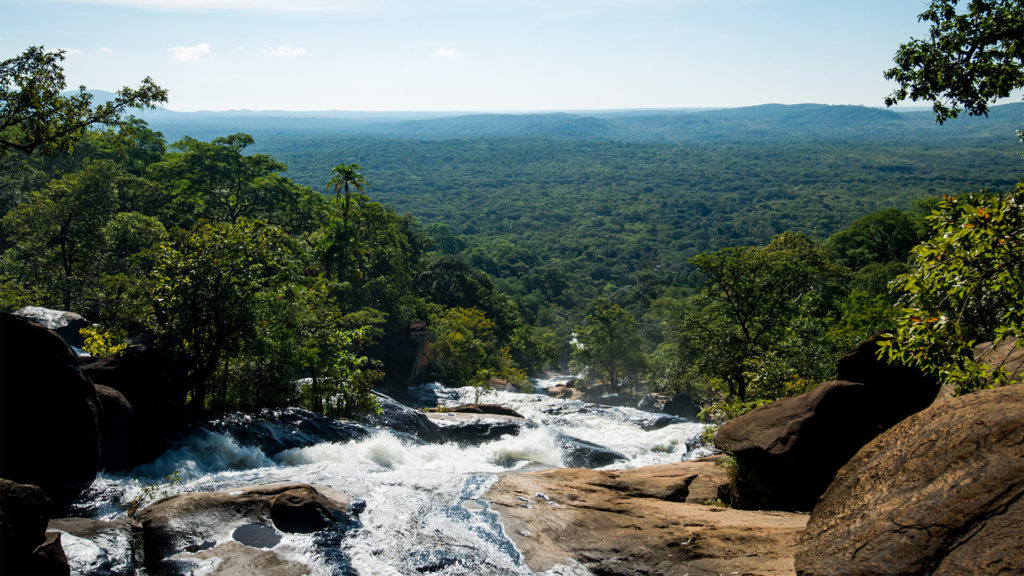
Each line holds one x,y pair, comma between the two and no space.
237,528
277,430
469,429
649,520
100,547
400,418
579,453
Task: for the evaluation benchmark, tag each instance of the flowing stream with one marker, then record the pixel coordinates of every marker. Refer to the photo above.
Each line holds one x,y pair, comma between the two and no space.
424,513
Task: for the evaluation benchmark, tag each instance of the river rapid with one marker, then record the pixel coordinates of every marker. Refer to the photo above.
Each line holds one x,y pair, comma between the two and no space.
423,508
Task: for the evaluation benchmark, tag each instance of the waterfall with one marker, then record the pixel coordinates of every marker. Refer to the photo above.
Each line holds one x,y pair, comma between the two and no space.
423,508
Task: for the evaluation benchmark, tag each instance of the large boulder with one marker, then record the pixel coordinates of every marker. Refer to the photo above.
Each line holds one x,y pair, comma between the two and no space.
472,429
579,453
25,548
64,324
789,451
564,392
179,531
143,376
398,417
862,364
49,412
941,493
683,405
649,520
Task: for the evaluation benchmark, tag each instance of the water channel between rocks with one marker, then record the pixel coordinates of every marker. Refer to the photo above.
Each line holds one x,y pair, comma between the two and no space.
424,513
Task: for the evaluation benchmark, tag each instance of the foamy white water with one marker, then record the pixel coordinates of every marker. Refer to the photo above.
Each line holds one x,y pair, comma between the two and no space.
423,508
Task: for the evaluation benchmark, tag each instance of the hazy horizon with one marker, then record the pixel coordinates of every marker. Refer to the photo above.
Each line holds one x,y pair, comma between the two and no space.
467,56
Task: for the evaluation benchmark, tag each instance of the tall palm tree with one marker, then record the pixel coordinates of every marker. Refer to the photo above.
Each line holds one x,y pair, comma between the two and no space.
346,177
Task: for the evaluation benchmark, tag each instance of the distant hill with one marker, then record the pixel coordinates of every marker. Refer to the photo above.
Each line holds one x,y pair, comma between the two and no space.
770,122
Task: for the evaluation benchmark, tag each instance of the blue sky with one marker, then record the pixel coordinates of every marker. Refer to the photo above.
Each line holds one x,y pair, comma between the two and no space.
473,55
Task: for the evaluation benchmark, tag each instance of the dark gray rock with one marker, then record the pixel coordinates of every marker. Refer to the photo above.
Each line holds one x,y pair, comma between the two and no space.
400,418
577,453
471,429
652,402
49,412
276,430
682,405
116,423
25,548
143,376
64,324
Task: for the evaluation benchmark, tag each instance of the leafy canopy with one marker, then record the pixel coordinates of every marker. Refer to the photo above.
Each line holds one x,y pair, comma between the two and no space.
967,284
608,347
34,113
970,58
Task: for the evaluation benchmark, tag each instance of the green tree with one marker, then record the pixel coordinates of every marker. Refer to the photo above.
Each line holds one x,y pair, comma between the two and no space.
207,295
966,285
340,378
216,181
60,233
35,114
759,301
464,344
345,178
971,57
608,348
880,237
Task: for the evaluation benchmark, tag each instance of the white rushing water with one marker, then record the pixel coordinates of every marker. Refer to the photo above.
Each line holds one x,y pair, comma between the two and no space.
424,512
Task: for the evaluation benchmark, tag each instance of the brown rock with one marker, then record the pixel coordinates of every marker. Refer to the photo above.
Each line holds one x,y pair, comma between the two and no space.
302,509
565,392
116,545
238,560
789,451
1006,356
649,520
484,409
941,493
49,558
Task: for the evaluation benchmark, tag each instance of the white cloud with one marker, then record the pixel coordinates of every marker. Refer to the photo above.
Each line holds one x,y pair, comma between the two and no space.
447,53
190,53
104,50
283,50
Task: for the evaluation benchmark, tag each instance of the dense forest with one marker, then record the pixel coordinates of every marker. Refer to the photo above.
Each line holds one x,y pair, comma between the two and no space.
560,216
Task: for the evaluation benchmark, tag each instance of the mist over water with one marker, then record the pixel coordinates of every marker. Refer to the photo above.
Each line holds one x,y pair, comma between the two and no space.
424,512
